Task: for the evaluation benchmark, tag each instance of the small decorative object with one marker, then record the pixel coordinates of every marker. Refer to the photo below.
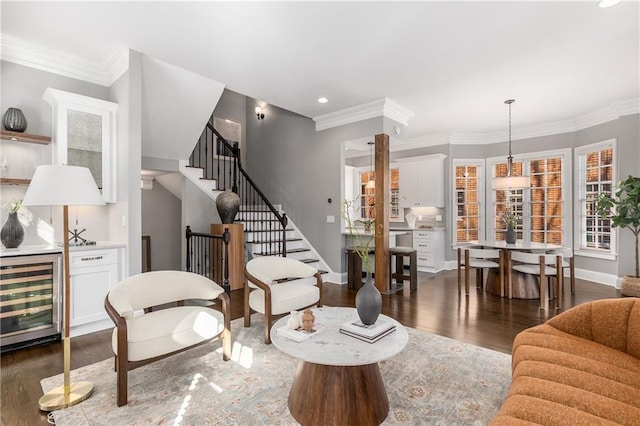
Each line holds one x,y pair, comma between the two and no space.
623,209
511,220
228,204
368,298
307,320
294,320
14,120
12,233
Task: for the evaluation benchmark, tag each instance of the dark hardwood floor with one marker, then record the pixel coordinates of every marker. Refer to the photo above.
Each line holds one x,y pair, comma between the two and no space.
480,318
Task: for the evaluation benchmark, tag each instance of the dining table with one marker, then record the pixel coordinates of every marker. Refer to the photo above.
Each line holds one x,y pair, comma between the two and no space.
524,286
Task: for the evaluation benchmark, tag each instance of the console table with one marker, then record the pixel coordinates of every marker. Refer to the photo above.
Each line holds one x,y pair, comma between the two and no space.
338,380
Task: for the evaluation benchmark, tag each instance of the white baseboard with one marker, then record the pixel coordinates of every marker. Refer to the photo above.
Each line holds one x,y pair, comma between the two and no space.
597,277
335,277
79,330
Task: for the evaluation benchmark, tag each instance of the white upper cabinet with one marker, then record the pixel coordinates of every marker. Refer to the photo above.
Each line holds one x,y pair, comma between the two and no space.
84,134
422,181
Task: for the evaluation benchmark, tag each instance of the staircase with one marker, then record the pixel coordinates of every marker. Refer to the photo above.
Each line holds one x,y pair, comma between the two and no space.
267,229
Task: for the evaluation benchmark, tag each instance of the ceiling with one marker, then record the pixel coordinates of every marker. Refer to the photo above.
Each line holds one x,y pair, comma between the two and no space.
453,64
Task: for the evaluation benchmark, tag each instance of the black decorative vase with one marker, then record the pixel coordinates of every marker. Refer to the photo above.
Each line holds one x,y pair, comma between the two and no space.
14,120
510,235
12,233
228,204
368,302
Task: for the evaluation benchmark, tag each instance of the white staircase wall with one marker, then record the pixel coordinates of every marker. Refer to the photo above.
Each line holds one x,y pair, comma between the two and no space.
176,105
172,182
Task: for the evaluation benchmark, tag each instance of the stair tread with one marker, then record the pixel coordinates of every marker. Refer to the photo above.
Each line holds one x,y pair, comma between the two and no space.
273,241
269,253
267,230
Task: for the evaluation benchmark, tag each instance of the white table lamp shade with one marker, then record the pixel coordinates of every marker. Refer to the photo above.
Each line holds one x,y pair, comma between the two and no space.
53,185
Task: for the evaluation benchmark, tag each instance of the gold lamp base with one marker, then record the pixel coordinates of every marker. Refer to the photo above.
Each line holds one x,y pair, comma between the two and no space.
56,399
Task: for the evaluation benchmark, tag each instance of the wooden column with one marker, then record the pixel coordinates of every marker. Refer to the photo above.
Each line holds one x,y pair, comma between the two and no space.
382,180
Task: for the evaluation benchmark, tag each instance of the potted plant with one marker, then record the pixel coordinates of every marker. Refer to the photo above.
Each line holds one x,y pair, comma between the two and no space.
510,219
624,211
368,298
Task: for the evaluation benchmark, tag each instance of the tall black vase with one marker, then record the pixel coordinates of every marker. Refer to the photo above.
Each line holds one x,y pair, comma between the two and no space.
368,302
12,233
228,204
510,235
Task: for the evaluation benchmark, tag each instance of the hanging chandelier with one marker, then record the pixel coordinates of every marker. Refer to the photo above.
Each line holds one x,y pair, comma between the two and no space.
371,183
510,181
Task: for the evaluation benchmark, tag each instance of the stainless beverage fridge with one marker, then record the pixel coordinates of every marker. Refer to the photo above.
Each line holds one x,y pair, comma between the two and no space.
30,300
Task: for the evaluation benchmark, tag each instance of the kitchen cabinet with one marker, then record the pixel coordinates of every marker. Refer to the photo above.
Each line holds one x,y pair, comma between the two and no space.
84,134
93,273
430,247
422,181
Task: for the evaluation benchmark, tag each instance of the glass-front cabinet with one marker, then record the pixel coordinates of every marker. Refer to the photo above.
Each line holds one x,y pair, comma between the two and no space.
84,132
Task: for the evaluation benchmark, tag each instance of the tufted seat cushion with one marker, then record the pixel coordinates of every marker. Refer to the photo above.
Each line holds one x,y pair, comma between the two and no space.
285,297
580,367
169,330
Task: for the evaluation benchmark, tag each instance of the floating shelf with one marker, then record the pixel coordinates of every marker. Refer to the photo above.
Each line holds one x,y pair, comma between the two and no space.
14,181
25,137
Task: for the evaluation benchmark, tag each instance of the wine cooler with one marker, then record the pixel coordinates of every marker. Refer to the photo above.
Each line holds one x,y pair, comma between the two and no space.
30,300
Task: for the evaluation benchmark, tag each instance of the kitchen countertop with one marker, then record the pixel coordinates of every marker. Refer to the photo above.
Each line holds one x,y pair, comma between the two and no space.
56,248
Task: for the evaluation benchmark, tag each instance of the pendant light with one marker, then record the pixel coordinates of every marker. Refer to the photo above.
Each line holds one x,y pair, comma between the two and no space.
509,181
372,183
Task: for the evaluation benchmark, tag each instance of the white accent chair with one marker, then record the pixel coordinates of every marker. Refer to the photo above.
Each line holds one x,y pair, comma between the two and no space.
480,259
270,291
545,266
142,335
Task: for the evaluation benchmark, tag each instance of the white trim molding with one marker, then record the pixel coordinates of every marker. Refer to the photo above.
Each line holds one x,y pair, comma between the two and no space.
13,49
384,107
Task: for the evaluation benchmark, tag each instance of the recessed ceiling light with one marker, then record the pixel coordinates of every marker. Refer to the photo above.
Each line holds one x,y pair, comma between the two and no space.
323,100
608,3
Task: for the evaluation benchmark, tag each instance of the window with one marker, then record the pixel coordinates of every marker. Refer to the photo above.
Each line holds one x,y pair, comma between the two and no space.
543,210
511,200
368,196
468,193
596,175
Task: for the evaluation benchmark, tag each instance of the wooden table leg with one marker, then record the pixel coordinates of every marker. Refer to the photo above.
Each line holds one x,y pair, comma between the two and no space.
338,395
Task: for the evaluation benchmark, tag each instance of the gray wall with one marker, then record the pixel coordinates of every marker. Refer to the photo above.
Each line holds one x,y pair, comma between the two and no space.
161,212
301,169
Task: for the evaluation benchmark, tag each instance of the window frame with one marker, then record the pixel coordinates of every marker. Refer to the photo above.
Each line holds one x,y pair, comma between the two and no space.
580,250
356,178
567,192
481,185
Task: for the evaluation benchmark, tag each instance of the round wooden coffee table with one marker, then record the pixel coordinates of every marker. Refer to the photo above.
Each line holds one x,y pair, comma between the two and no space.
338,380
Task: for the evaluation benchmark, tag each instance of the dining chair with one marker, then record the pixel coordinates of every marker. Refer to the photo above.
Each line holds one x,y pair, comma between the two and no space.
480,259
545,266
567,262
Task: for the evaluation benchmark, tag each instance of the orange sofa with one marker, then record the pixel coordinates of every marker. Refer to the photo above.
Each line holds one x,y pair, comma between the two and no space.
581,367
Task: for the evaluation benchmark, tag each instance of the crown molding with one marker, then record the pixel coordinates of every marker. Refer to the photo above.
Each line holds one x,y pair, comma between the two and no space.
13,49
383,107
613,111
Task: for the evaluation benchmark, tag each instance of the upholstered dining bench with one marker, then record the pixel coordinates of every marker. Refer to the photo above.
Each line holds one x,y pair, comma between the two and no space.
142,335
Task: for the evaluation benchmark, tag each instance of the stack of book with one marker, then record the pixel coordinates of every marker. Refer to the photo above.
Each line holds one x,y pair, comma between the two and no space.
368,333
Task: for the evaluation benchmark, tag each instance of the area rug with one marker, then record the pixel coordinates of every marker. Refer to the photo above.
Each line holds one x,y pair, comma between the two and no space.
434,381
